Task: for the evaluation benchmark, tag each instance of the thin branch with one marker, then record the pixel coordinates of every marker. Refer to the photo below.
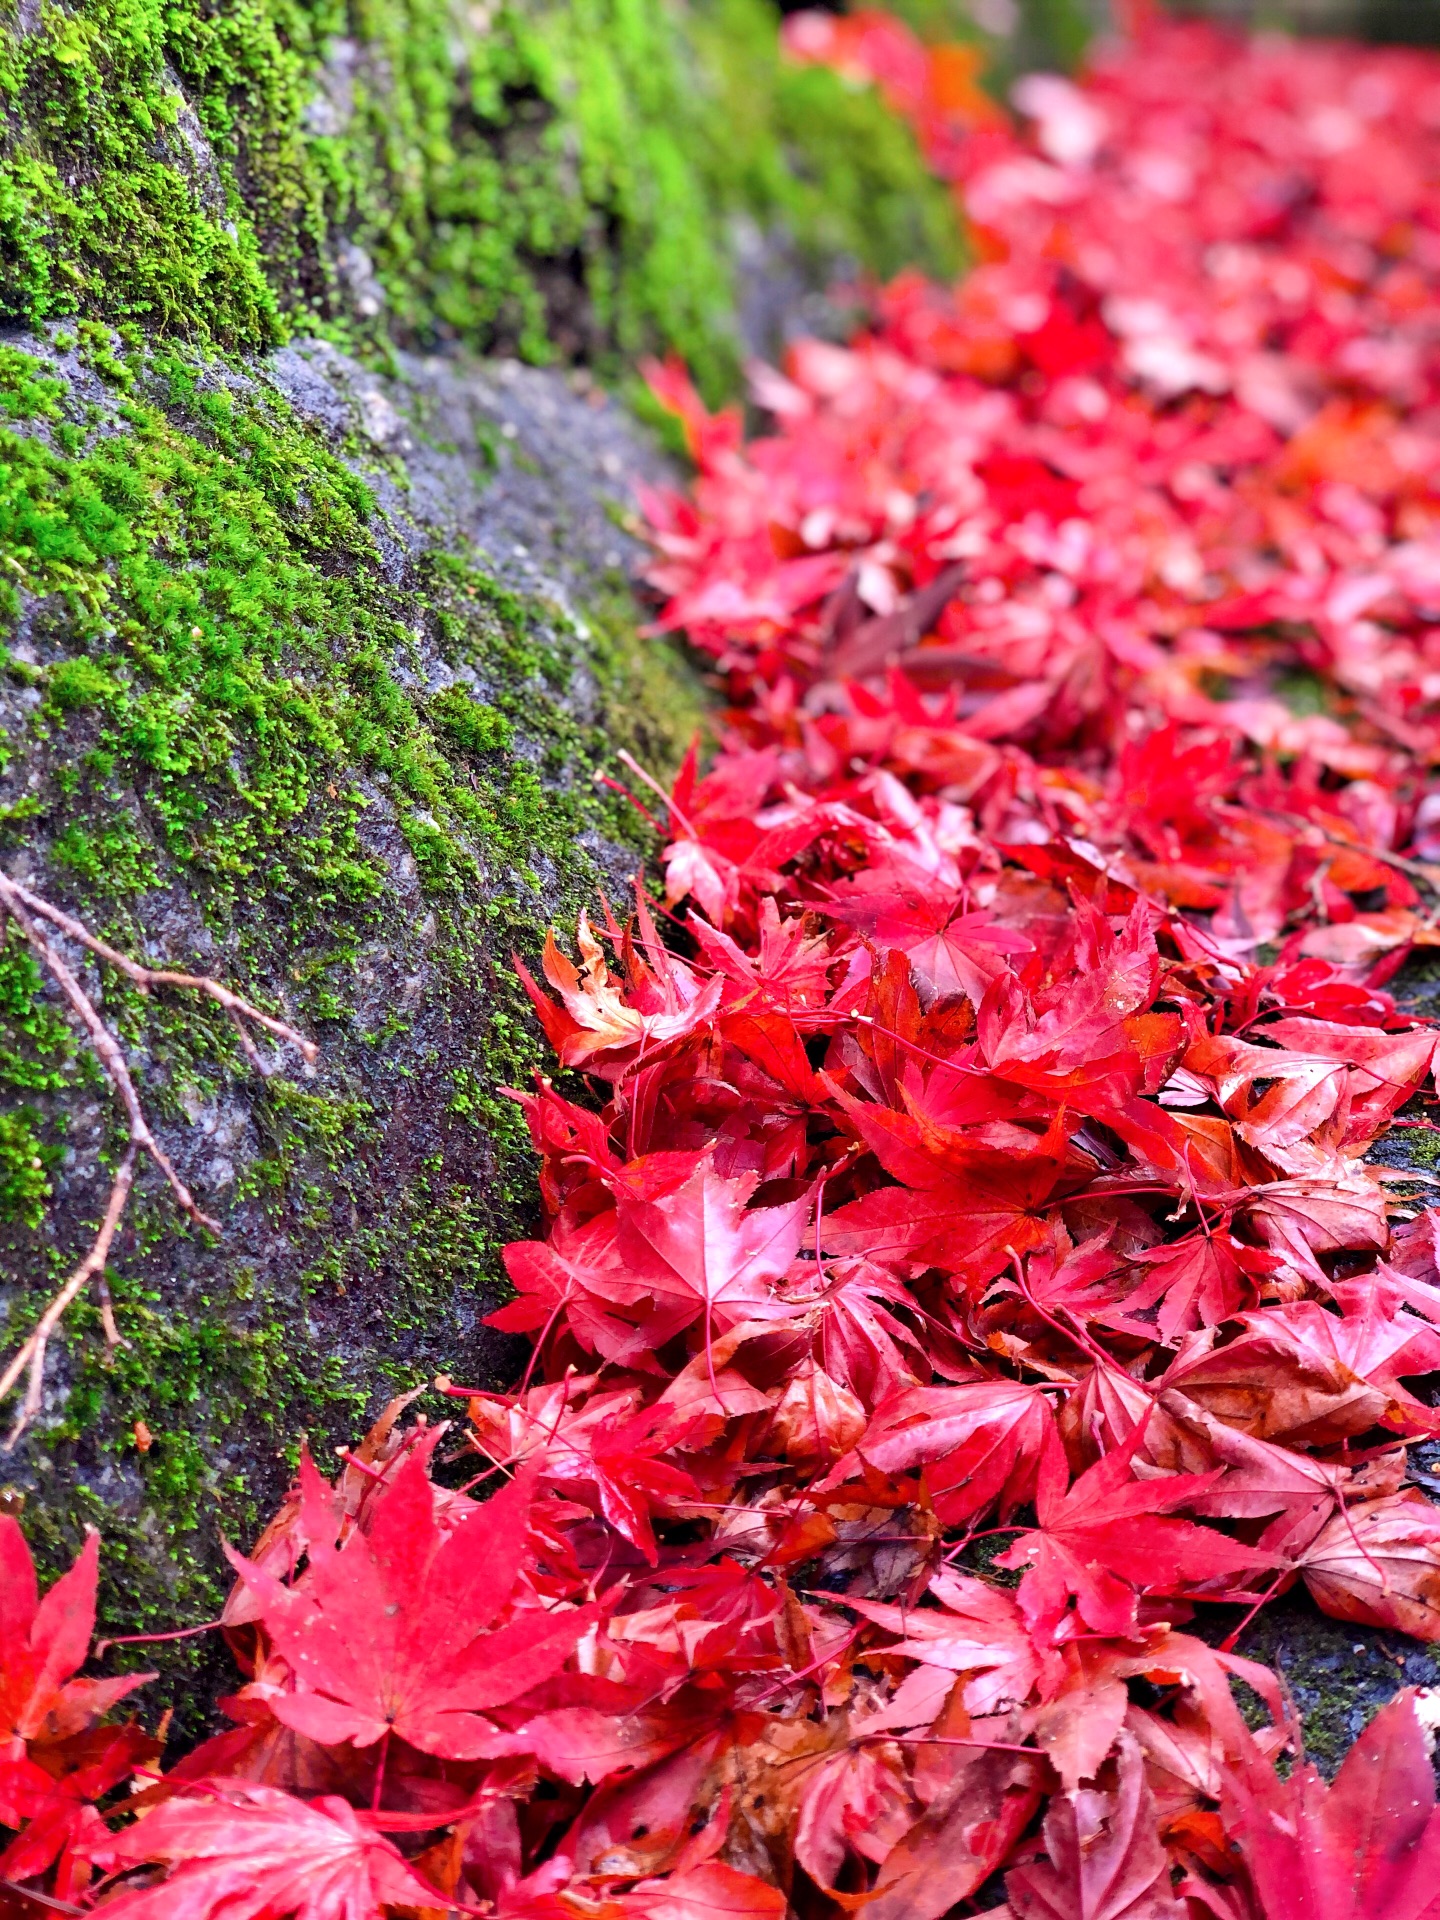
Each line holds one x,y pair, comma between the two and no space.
32,1353
107,1050
28,910
12,894
46,1900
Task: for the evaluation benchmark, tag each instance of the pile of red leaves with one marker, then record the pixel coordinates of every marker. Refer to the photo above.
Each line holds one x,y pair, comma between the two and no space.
972,1278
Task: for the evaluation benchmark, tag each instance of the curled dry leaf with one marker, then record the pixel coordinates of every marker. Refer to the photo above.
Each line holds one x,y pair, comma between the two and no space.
1379,1563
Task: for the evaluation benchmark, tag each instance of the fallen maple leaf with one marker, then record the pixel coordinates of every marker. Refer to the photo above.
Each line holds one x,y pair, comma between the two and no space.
597,1017
968,1223
857,1801
979,1443
951,951
57,1813
1379,1563
976,1630
44,1643
393,1633
1109,1538
1196,1282
1365,1848
712,1891
1105,1857
695,1242
1303,1376
247,1852
970,1826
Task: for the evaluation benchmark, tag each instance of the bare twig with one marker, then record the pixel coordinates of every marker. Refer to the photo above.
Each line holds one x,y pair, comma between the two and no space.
32,1353
28,910
12,894
45,1900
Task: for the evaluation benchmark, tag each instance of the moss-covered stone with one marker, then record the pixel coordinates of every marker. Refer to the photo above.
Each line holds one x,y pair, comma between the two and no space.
553,177
307,675
304,671
1339,1675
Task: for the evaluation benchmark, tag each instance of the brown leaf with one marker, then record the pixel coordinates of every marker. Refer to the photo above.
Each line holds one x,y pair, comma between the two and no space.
961,1839
1380,1564
1106,1861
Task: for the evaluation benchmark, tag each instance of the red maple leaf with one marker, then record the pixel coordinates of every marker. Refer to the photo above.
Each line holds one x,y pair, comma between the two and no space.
974,1629
969,1223
239,1851
1196,1282
987,1800
395,1632
979,1443
602,1020
55,1805
602,1447
1110,1538
952,951
583,1280
1380,1563
45,1642
689,1235
1105,1860
1368,1846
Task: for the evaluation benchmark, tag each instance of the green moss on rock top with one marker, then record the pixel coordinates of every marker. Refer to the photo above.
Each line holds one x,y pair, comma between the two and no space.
554,178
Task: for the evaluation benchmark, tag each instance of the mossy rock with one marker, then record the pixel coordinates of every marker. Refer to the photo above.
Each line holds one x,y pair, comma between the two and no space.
308,661
308,674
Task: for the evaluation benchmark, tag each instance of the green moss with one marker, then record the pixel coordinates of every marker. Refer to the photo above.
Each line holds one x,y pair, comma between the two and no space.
551,177
25,1163
1419,1146
798,146
26,392
80,683
1337,1672
1305,694
469,723
36,1049
1055,32
232,662
1047,34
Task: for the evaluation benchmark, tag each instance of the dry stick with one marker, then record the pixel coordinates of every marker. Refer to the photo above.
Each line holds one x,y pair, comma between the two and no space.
629,760
28,909
13,896
108,1052
45,1900
102,1647
32,1353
